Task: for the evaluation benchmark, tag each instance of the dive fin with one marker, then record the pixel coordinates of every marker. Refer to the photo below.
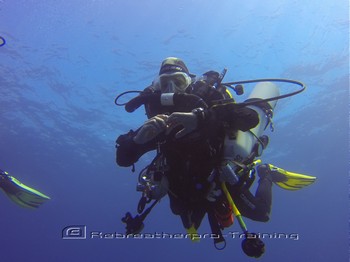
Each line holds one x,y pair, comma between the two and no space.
192,232
289,180
20,193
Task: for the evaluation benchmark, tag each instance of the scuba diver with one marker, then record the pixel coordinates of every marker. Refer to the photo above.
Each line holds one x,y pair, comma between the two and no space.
19,193
206,146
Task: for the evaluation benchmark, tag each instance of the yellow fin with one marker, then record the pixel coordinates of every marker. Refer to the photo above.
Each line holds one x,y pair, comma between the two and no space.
291,181
192,233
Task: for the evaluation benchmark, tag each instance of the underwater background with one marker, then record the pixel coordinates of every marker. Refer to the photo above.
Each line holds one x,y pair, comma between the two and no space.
61,68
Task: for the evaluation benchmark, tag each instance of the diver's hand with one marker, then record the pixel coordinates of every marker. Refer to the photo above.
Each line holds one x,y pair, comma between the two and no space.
151,128
188,121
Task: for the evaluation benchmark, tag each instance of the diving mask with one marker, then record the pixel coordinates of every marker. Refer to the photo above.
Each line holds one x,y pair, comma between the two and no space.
173,83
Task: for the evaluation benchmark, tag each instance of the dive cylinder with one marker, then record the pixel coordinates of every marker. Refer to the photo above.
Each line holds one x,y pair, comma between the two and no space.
240,146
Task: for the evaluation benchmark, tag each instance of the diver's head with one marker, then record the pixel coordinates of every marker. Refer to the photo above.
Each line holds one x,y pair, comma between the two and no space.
173,77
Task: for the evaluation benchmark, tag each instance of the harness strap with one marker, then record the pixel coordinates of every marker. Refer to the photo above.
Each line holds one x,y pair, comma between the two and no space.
216,231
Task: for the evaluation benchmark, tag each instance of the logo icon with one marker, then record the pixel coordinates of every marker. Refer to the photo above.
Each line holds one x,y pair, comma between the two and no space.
74,232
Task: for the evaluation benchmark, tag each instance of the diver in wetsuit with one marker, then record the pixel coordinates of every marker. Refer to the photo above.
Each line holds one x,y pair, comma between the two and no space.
192,141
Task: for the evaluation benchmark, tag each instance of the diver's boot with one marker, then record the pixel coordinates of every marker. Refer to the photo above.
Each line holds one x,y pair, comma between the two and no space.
264,172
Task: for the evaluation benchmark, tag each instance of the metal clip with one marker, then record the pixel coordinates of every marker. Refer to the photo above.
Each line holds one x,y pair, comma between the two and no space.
269,115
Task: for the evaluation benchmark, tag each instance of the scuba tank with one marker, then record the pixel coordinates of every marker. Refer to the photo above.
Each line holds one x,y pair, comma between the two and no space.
240,146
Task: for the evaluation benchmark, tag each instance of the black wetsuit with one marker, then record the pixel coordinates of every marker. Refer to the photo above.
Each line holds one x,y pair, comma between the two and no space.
192,159
189,165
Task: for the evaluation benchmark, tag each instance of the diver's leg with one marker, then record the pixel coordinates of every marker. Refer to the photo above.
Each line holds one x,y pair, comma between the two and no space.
256,207
178,208
198,214
264,190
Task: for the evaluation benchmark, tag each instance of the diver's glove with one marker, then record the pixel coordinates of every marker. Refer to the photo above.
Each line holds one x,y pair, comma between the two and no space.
188,122
151,128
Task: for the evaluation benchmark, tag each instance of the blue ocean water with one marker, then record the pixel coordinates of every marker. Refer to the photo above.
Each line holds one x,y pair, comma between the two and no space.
65,61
